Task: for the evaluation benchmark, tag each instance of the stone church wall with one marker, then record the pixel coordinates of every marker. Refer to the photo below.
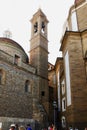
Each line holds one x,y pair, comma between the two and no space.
13,98
16,105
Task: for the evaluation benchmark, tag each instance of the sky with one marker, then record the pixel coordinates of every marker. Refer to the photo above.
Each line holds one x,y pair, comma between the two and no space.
15,16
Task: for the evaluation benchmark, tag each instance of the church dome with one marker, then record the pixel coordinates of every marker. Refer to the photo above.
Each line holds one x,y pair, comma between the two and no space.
12,48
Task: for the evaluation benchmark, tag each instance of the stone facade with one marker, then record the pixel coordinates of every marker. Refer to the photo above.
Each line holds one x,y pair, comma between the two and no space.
52,91
23,81
28,87
72,72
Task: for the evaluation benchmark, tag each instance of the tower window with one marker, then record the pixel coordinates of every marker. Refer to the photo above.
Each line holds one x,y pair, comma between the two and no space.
43,27
35,27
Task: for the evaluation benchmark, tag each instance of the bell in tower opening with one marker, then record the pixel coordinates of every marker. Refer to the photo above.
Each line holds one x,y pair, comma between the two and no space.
39,59
43,27
39,24
35,27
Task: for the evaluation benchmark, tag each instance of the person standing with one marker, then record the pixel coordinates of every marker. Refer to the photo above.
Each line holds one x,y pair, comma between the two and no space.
12,127
28,127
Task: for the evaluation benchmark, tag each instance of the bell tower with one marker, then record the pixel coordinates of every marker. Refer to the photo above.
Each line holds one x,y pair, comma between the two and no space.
39,59
39,43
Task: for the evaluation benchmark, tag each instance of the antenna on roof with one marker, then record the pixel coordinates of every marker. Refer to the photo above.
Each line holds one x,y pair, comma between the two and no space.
7,34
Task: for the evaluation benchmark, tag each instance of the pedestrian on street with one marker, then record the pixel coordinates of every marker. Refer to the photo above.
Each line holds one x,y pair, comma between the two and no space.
22,127
12,127
50,127
16,127
28,127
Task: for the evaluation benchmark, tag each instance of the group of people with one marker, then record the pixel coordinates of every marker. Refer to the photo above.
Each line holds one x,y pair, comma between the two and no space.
16,127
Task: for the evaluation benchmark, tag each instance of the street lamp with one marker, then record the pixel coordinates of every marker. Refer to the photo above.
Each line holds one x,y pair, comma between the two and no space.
55,106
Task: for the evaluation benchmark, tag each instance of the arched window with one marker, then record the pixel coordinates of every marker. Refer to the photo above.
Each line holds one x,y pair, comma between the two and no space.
43,27
63,122
16,59
27,86
36,27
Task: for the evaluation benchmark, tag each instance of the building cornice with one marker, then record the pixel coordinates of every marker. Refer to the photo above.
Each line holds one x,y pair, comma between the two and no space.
66,36
69,34
58,61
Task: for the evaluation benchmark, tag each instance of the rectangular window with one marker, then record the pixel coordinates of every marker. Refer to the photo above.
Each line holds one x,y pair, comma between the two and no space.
67,75
63,104
43,93
63,87
16,60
